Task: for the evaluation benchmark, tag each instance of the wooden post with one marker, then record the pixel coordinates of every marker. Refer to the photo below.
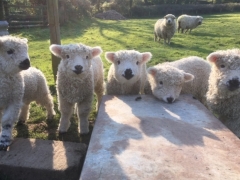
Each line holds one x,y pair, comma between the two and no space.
53,21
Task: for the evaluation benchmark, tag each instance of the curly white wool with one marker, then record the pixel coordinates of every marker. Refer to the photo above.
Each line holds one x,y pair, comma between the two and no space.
36,89
165,28
223,94
13,59
188,22
80,74
127,73
188,75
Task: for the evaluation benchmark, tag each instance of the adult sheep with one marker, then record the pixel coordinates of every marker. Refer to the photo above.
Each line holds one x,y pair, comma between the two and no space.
223,94
188,75
127,74
188,22
80,74
165,28
13,59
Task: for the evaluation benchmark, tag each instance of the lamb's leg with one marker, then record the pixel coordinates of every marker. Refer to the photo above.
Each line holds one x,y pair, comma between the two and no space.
155,37
24,115
84,109
47,101
186,31
9,117
99,91
66,112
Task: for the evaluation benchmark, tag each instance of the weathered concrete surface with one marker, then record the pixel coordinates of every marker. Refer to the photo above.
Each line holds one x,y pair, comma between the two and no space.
32,159
153,140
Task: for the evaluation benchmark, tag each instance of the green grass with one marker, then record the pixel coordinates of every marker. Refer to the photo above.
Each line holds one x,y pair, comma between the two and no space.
218,32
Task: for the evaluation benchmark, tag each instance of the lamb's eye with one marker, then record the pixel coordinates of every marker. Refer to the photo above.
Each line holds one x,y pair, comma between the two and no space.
137,62
118,62
10,51
161,83
86,57
222,66
67,56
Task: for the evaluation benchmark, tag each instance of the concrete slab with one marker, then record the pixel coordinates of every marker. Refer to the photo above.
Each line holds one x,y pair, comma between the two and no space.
152,140
29,159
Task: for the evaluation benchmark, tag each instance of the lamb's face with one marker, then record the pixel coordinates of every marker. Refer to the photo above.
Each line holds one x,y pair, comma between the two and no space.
169,20
128,64
13,55
167,82
199,20
226,71
76,58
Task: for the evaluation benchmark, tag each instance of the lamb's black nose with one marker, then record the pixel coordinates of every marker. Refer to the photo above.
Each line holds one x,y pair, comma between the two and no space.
78,69
24,64
128,74
169,99
233,84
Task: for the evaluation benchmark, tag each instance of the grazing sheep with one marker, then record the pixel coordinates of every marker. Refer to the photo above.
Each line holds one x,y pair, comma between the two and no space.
188,75
13,59
127,74
223,94
165,28
80,73
35,89
188,22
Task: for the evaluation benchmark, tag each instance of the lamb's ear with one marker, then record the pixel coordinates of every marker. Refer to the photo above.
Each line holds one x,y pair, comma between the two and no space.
213,57
188,77
96,51
110,56
146,56
152,71
56,50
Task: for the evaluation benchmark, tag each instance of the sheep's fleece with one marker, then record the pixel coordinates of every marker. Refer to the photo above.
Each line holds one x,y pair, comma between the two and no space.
223,96
188,22
35,89
80,73
127,73
13,59
188,75
165,28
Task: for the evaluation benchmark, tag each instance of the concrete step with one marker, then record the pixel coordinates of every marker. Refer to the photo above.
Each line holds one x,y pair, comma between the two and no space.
150,139
29,159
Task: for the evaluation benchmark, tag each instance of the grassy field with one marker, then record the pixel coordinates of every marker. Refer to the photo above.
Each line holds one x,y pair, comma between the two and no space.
218,32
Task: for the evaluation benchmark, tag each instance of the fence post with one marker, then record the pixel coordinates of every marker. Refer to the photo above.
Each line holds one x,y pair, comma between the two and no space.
53,21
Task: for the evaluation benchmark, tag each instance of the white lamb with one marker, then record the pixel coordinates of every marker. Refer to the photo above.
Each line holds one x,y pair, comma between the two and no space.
165,28
127,74
188,75
13,59
80,73
35,89
188,22
223,94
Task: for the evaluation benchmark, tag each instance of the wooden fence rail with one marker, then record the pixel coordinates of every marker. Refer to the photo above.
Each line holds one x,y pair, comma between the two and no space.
25,16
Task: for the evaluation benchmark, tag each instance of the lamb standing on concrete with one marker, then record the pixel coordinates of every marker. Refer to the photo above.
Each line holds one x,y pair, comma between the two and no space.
13,59
127,74
165,28
35,89
223,94
188,22
80,73
188,75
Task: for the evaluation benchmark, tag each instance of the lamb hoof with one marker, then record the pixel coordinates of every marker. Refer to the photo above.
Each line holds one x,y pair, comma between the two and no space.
62,132
3,147
20,122
84,133
50,117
